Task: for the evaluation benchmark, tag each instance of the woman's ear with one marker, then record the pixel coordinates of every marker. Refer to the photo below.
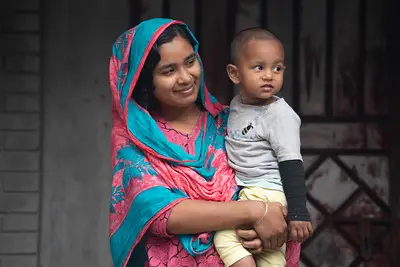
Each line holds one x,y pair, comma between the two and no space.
233,73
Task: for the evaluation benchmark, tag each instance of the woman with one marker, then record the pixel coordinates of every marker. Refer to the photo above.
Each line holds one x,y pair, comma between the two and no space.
172,186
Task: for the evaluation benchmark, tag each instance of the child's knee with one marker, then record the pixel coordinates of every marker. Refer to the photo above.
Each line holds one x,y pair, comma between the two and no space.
275,258
229,247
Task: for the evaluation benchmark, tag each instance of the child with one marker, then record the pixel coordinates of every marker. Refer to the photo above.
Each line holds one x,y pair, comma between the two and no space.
263,144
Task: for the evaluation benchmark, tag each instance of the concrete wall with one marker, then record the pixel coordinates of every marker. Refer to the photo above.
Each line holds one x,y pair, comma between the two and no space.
20,131
78,36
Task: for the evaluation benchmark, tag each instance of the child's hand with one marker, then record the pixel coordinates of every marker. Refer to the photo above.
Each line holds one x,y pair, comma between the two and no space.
299,231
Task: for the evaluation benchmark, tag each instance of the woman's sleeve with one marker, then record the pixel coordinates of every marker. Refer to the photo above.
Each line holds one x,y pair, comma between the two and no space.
159,225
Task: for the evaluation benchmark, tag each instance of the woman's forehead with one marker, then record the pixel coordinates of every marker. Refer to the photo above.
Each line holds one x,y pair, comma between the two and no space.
176,50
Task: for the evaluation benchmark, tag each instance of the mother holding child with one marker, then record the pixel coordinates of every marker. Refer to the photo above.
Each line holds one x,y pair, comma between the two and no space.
181,160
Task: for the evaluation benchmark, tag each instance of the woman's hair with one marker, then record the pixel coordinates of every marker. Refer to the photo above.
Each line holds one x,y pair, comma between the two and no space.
143,93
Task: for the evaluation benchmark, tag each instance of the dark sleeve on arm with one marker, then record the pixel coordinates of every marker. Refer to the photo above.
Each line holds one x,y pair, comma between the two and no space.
292,175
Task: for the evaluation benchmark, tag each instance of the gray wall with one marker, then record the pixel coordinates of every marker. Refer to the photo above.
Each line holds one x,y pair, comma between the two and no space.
20,131
76,166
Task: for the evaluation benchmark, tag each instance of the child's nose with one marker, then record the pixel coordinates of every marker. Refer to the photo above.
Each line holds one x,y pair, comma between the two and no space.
268,75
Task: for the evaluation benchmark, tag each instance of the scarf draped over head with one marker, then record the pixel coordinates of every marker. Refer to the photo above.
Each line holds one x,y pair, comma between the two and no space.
150,174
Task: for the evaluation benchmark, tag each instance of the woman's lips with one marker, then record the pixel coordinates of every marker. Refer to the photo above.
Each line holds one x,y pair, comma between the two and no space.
187,90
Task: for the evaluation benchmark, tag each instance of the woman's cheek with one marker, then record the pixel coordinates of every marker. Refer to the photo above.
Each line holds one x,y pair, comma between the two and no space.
196,71
164,85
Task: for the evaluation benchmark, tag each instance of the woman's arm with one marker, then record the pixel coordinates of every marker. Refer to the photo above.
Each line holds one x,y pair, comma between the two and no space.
159,226
197,216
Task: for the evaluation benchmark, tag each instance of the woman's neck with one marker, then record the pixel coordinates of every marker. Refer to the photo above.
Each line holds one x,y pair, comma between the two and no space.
181,119
174,114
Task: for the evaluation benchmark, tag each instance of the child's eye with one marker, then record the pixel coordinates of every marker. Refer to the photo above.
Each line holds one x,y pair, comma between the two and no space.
278,68
258,67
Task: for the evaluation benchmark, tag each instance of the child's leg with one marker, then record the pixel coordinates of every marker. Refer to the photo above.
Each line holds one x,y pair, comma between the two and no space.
247,261
270,258
229,247
231,250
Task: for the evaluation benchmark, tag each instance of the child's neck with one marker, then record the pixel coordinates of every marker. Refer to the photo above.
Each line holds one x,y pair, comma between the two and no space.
257,101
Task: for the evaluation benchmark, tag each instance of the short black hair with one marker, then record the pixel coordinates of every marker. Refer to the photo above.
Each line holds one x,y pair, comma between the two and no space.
246,35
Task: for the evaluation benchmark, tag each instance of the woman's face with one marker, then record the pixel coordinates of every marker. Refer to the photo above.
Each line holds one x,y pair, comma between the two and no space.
177,76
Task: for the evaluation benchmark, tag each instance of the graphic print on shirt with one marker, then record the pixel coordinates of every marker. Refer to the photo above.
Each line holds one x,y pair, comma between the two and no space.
247,128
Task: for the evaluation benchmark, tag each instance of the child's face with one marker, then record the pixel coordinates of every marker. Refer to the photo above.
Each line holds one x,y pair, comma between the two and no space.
260,70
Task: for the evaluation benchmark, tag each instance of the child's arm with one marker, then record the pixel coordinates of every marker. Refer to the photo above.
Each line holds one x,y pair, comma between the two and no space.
284,137
299,223
283,133
292,175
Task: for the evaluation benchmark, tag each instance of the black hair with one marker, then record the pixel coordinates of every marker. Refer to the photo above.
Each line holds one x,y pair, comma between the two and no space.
244,36
143,93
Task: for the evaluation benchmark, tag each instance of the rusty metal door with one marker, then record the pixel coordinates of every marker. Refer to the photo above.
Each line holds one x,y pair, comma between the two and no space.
339,76
336,79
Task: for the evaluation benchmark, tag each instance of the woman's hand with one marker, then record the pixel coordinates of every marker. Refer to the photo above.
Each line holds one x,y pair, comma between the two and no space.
250,240
271,227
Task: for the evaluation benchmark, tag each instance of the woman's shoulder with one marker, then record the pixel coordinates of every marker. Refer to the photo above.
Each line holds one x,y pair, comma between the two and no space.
224,114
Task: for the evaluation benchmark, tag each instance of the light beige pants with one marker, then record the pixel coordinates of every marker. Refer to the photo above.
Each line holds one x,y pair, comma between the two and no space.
228,244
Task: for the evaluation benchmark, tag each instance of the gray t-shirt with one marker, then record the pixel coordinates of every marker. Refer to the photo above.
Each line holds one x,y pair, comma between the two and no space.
258,138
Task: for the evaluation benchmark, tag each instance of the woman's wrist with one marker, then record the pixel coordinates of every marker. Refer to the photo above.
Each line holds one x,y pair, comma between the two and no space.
257,211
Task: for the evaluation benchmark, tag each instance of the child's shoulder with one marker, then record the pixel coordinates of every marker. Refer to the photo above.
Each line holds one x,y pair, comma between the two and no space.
280,109
235,102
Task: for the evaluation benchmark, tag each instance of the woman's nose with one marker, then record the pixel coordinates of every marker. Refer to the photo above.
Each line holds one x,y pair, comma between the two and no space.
184,76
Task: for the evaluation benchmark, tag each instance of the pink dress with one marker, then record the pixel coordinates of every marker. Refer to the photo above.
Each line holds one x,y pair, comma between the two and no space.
165,250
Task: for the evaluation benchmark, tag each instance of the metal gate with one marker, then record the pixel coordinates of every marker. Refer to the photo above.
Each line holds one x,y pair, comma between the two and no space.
336,79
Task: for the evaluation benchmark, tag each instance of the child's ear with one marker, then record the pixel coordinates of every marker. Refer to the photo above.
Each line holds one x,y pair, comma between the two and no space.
233,73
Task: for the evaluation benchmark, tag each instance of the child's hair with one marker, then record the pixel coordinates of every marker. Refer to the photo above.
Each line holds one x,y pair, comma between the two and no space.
246,35
143,93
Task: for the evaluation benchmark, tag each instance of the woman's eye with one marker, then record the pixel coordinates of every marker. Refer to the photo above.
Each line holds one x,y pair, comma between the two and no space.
167,72
190,62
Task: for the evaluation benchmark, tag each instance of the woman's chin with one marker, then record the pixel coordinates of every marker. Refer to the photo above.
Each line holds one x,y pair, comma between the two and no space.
186,100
